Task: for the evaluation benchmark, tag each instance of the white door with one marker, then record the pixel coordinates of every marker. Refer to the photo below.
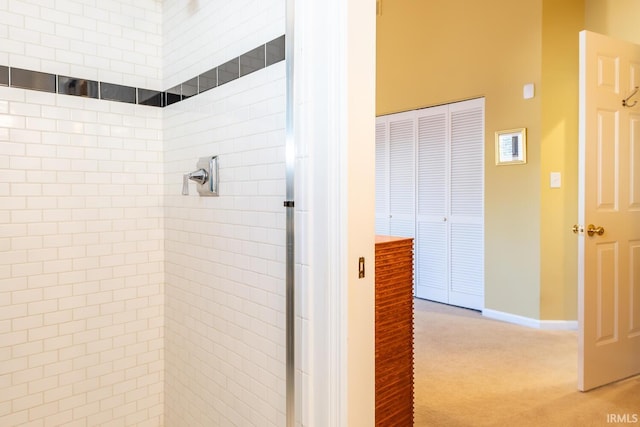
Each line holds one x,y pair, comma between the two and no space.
609,201
395,181
450,204
430,185
432,213
466,205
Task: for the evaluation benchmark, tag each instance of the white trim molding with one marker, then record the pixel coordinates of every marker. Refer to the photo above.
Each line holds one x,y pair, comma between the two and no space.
334,123
549,325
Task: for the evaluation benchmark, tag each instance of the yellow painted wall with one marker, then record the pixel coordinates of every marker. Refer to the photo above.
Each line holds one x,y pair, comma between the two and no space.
561,23
615,18
439,51
492,49
442,51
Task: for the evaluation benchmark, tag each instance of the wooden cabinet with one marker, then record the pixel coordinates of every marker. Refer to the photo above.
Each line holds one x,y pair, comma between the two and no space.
394,331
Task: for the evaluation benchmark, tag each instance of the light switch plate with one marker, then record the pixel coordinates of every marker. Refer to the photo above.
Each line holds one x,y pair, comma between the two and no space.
528,91
555,180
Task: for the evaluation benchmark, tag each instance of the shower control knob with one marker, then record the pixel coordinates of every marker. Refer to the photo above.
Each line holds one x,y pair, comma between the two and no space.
200,176
206,176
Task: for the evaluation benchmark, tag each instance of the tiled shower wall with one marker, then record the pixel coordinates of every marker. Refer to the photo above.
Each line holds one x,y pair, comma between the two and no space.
81,268
224,292
81,226
94,229
108,40
199,35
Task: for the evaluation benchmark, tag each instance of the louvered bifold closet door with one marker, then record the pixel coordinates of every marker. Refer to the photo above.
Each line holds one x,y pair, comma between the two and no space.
382,176
430,186
431,243
402,175
466,219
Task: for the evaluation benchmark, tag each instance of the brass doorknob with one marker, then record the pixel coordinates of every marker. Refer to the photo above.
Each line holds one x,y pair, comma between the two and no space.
592,229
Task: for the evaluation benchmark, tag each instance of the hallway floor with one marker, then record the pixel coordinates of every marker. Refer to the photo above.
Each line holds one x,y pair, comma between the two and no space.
473,371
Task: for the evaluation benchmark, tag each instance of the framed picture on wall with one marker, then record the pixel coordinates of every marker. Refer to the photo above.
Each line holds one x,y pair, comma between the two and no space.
511,147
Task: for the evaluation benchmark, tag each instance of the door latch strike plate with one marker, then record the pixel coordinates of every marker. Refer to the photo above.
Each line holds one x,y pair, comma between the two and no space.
361,268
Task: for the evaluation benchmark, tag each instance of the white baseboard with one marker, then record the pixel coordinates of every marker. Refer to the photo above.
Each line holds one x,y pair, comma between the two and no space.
550,325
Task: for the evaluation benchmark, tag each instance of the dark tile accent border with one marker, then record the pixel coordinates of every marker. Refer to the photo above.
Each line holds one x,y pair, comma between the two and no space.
275,51
229,71
27,79
173,95
119,93
253,60
152,98
208,80
256,59
78,87
190,88
4,75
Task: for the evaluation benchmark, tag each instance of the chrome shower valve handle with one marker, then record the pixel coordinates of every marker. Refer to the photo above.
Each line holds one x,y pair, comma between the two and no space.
206,176
200,176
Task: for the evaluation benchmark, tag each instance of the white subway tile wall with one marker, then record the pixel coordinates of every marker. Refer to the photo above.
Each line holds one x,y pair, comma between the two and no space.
224,292
199,35
108,40
81,265
123,302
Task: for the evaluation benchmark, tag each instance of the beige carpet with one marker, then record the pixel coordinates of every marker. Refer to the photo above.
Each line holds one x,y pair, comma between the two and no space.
473,371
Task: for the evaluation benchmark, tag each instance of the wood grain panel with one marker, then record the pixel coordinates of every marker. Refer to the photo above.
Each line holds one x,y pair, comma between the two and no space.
394,331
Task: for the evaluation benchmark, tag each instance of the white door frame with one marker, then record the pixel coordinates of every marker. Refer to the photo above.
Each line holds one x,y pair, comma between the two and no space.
334,122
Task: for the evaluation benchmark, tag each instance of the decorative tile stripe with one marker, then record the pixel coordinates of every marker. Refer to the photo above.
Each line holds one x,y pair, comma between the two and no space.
256,59
78,87
4,75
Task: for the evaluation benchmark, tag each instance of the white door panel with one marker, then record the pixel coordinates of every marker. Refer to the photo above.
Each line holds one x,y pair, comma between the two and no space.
467,266
466,217
634,163
634,299
432,266
609,180
432,256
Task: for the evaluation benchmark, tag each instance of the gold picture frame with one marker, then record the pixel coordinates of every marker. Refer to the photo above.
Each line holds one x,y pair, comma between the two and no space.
511,147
